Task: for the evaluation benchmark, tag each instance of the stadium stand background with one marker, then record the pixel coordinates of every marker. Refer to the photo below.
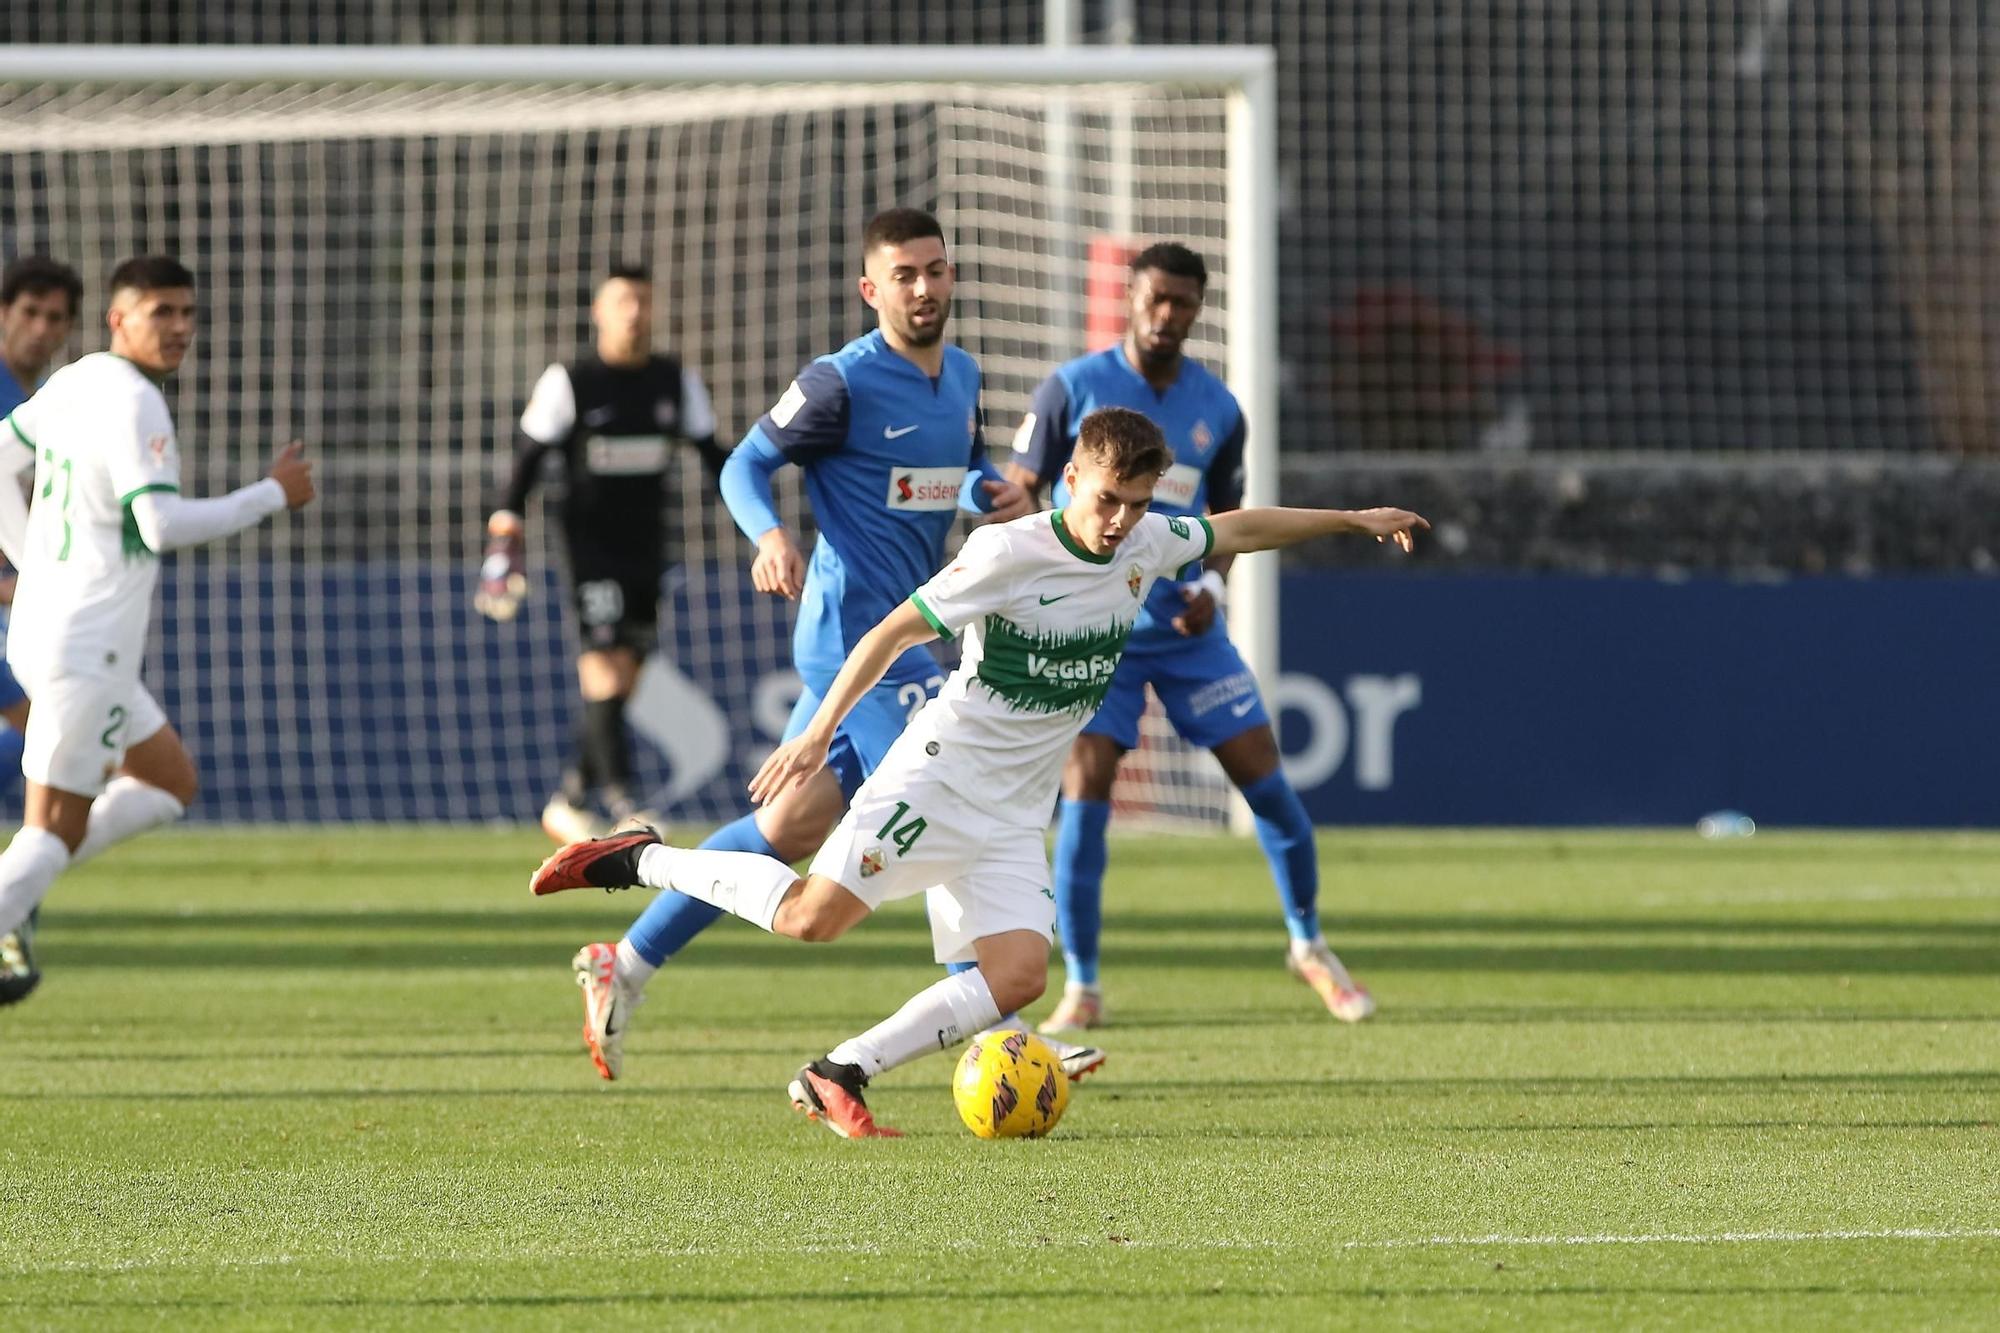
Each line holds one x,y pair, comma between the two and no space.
1737,262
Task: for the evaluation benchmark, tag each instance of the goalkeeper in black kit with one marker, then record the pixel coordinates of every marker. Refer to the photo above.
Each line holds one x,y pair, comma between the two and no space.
614,419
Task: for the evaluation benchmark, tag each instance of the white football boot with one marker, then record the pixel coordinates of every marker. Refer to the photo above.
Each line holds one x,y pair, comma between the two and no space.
1316,965
1081,1008
607,1007
1077,1061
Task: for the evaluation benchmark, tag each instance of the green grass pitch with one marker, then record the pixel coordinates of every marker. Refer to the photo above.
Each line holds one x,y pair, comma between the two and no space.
304,1079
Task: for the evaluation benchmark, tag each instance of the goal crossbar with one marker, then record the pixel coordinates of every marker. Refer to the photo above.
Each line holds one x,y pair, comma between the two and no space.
1243,76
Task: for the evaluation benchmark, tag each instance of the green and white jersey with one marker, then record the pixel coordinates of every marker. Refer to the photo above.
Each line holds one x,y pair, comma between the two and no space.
1043,623
101,435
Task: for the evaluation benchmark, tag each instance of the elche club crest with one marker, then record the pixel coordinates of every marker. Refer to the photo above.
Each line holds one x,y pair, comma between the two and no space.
1133,578
873,862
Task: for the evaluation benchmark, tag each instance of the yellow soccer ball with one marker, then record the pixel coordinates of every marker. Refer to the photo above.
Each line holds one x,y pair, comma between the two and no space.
1009,1085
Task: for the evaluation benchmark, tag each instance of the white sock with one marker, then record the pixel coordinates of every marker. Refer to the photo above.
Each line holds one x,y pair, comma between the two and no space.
745,883
631,971
29,865
935,1019
127,808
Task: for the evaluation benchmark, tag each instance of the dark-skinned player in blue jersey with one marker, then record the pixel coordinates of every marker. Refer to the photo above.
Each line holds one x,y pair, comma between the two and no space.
1179,647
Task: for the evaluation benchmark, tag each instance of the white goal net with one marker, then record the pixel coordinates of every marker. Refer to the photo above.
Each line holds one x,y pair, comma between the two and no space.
386,265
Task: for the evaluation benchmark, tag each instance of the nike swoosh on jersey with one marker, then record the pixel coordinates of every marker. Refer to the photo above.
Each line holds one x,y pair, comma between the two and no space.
598,416
889,434
1242,708
1057,598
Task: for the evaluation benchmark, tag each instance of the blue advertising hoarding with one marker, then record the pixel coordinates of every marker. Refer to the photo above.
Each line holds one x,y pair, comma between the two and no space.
1564,700
371,691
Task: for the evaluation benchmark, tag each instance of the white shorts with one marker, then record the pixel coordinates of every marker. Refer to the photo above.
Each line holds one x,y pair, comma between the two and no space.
79,728
901,837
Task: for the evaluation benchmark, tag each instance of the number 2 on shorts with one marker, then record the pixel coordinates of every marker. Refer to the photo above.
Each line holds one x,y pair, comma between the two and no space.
110,737
906,836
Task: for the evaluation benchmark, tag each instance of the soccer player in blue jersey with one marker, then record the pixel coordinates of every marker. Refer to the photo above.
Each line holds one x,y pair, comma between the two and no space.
1179,646
887,432
38,301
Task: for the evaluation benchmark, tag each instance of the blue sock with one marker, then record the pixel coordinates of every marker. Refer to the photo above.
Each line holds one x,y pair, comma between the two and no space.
672,919
1080,858
11,744
1286,832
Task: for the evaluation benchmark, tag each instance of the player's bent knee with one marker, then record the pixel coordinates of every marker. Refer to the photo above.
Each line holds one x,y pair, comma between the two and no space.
819,928
1017,990
818,911
1015,981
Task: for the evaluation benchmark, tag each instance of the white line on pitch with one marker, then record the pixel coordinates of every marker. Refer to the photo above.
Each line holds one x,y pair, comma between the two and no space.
693,1251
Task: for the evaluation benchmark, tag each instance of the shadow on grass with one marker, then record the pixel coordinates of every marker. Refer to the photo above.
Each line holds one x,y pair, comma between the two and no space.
1972,1082
199,944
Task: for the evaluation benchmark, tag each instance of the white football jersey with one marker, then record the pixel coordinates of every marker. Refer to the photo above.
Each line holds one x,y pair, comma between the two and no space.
1043,622
101,435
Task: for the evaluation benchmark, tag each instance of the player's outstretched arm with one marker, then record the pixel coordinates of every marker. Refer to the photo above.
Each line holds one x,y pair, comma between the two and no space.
804,755
1242,530
167,520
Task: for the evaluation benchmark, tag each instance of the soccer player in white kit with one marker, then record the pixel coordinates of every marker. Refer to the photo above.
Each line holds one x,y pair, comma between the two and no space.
959,807
101,761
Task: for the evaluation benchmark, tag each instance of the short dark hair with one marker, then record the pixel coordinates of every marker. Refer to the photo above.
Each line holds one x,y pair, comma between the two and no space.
1172,258
150,273
628,273
898,226
34,274
1127,442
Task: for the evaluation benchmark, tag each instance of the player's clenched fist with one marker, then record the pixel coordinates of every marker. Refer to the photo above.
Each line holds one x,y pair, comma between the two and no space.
779,568
294,475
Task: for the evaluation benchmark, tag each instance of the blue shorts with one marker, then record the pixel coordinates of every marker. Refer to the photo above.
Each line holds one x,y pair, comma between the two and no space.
1209,695
868,732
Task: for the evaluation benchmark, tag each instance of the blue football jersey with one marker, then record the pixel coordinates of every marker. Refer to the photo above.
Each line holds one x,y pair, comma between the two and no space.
12,395
885,450
1198,415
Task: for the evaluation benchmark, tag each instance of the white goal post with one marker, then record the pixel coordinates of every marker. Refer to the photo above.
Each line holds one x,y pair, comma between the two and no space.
76,124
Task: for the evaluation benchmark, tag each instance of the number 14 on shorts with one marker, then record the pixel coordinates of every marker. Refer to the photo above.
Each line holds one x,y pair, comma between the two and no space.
902,828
